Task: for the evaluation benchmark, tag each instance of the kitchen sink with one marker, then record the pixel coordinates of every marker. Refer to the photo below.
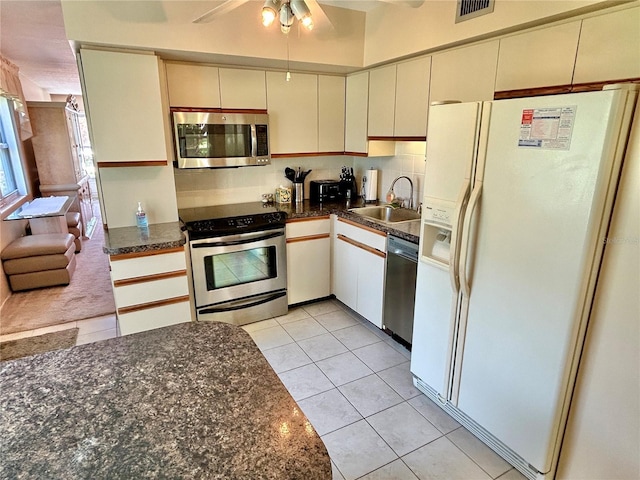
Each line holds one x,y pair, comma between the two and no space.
387,214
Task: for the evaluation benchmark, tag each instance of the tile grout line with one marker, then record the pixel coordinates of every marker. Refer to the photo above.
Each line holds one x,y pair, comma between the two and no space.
363,417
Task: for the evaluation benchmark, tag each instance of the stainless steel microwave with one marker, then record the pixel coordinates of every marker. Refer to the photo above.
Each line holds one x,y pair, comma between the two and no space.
216,140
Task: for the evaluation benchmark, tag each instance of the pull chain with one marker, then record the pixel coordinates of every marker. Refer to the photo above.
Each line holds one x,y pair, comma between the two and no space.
288,77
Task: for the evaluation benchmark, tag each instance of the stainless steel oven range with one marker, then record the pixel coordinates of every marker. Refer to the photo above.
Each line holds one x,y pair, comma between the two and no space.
238,261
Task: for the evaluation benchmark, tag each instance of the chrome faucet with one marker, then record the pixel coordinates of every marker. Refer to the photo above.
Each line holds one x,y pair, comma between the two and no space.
391,196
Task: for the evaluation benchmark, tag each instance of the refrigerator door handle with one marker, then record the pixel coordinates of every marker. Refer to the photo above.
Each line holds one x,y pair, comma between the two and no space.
464,244
454,250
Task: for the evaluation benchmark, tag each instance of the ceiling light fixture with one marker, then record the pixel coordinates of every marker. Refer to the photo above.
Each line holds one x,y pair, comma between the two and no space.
286,18
269,12
286,10
302,13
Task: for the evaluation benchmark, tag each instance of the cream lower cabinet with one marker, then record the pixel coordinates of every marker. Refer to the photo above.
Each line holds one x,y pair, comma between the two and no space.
359,263
150,289
308,259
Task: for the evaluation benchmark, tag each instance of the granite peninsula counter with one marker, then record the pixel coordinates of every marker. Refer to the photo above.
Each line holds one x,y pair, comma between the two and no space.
194,400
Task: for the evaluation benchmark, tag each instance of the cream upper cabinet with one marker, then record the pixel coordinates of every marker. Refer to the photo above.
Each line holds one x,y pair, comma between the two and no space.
382,101
243,88
357,102
609,47
539,58
412,97
466,74
193,85
331,106
124,102
293,112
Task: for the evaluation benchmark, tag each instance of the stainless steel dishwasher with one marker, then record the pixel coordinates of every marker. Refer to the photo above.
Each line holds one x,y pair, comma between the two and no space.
400,288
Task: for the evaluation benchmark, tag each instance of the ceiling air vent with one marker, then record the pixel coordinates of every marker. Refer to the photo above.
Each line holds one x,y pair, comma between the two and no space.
468,9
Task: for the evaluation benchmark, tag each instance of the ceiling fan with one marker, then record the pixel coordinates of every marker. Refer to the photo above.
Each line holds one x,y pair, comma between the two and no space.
308,12
312,7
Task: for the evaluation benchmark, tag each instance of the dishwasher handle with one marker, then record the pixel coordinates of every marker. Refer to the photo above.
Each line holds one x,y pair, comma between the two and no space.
402,248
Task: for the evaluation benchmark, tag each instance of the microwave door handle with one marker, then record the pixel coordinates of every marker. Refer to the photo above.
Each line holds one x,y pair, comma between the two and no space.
254,141
241,241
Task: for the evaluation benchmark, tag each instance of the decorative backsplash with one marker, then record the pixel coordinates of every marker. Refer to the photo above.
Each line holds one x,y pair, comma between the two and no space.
202,187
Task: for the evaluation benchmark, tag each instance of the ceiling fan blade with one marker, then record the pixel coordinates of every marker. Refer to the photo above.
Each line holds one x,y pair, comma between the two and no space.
226,7
321,21
406,3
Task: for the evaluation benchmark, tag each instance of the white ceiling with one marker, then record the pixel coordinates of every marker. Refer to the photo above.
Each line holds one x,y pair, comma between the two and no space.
32,36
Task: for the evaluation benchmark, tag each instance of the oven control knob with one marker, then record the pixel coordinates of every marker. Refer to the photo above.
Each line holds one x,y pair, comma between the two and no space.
274,217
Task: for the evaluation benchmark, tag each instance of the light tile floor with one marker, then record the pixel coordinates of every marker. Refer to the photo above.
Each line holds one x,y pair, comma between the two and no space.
353,383
89,330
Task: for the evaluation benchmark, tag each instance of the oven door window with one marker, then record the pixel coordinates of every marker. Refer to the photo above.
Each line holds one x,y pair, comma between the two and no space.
214,141
238,268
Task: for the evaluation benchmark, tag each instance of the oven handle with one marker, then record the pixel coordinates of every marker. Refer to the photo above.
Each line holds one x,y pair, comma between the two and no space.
241,241
268,299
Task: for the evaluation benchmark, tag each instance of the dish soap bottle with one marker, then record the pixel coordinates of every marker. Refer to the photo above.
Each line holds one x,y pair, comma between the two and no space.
141,217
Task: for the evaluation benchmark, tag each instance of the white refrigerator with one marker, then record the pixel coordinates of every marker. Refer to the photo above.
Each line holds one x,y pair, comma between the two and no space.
517,201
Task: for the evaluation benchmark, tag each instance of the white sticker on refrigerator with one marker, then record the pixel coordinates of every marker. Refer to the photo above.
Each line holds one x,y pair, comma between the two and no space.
547,128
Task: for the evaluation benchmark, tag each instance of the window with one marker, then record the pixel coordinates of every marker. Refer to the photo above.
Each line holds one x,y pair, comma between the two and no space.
12,178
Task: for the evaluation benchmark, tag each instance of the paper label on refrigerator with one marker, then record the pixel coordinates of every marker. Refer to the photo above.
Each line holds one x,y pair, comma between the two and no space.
547,128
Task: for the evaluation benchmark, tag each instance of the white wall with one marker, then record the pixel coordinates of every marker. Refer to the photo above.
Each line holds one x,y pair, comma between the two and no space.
235,38
391,31
122,189
394,30
33,92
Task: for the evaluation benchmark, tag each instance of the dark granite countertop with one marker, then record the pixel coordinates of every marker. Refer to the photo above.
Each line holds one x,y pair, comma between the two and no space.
159,236
163,236
194,400
409,231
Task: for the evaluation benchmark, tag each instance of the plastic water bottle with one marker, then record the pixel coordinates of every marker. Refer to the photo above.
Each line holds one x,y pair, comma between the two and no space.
141,217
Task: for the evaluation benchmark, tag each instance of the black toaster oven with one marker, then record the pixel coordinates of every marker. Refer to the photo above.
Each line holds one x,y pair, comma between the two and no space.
325,190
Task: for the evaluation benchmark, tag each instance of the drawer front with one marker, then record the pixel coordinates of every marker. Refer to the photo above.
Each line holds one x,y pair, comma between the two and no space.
158,317
367,236
146,265
308,227
150,291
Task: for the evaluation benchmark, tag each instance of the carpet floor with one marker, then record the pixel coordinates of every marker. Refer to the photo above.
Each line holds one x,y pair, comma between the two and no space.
88,295
25,347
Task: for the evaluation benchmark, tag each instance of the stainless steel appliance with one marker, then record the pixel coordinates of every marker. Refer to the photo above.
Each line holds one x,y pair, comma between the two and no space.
238,260
205,139
400,288
325,190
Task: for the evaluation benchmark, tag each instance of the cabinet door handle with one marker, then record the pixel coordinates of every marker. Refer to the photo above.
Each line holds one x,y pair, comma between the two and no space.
362,246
